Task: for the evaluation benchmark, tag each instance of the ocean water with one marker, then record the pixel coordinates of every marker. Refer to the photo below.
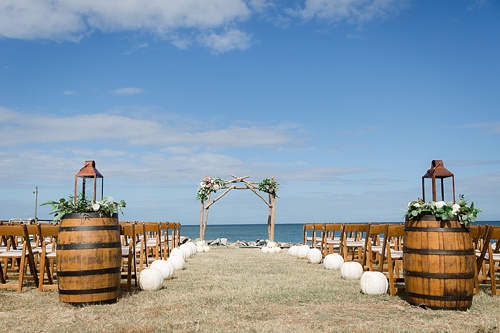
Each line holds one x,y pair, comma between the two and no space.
289,233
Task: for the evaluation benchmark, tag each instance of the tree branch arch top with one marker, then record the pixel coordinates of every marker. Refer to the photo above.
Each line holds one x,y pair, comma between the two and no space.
210,185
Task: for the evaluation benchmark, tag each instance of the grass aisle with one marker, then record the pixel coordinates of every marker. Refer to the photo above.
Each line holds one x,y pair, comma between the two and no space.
244,290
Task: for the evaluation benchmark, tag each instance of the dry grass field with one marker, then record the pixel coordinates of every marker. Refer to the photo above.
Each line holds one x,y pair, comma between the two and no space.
244,290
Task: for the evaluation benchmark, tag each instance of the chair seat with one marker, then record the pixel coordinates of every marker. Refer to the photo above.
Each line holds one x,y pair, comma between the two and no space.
16,253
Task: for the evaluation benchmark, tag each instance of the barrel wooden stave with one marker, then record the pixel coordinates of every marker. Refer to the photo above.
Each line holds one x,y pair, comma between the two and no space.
89,259
438,264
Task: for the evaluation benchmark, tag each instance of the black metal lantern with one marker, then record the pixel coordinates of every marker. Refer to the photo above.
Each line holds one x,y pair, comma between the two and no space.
438,171
91,181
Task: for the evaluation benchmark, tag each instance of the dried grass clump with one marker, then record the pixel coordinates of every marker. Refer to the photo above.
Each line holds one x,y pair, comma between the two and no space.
243,290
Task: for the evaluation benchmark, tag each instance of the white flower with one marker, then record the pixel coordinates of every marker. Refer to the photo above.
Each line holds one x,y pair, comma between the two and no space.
456,208
96,207
440,204
416,205
110,199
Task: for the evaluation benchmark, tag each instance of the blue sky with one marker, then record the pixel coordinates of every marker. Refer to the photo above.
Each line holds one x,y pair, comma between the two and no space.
345,103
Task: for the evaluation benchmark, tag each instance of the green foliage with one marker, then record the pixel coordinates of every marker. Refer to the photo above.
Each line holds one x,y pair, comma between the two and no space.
209,185
444,211
269,186
105,207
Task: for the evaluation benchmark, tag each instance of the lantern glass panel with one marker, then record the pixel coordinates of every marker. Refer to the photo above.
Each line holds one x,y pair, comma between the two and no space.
441,183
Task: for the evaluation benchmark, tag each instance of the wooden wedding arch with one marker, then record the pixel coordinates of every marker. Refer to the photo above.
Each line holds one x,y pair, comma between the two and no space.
239,183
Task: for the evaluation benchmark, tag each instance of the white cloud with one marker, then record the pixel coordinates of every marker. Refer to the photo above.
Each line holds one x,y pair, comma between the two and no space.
210,23
228,41
128,91
359,11
135,131
70,20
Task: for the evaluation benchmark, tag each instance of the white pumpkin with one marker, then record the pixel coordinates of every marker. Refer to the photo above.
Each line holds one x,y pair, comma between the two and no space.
264,249
178,262
277,249
193,247
271,249
351,270
333,261
314,256
200,249
200,243
187,250
373,283
293,250
206,248
177,252
271,244
303,249
164,266
150,279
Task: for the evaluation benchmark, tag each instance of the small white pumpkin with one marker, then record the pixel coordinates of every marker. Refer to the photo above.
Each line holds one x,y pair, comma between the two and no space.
351,270
333,261
193,247
150,279
277,249
164,266
187,250
178,262
200,249
373,283
177,252
206,248
264,249
272,249
303,249
293,250
271,244
314,256
200,243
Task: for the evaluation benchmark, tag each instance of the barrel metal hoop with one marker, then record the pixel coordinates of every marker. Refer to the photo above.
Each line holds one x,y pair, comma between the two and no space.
89,291
456,297
455,276
90,228
90,272
438,252
435,229
88,246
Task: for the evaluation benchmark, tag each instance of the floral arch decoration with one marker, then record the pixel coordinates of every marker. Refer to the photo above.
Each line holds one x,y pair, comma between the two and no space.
209,185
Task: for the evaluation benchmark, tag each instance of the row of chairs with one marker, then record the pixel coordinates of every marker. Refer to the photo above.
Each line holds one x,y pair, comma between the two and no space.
28,251
379,247
376,246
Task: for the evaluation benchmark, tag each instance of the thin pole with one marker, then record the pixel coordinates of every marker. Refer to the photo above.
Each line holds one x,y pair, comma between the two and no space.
36,202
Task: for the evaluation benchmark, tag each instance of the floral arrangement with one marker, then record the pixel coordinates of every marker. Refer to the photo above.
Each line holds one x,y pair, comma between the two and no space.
269,186
444,210
105,207
209,185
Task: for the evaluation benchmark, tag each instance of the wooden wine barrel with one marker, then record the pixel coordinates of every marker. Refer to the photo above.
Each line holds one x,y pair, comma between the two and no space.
438,261
88,259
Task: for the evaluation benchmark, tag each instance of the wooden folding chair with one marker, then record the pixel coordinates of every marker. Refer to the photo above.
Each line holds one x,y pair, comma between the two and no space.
129,259
353,239
48,266
312,234
18,259
373,246
478,234
153,241
330,238
490,259
392,256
